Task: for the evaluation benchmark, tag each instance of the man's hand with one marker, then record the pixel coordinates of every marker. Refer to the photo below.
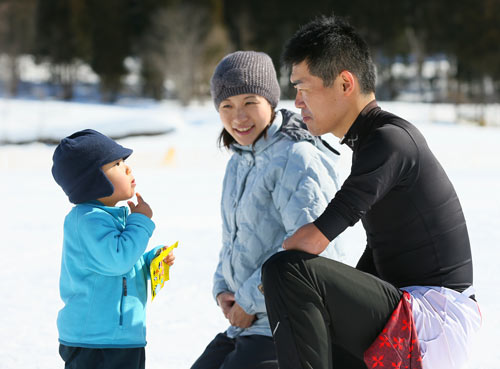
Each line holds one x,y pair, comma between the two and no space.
307,238
226,302
239,318
142,207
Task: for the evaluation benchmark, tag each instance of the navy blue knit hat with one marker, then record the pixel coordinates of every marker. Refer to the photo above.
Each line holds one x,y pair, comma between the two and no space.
77,165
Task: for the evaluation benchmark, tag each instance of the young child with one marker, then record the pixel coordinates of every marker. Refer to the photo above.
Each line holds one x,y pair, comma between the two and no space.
104,270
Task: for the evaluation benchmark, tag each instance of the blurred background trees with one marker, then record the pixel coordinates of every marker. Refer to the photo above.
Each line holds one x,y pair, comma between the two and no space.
436,51
16,39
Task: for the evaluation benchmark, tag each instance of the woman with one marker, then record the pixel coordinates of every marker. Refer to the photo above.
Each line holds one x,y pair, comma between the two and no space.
278,178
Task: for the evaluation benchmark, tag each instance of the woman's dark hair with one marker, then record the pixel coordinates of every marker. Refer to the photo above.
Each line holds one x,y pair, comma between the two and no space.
226,140
329,45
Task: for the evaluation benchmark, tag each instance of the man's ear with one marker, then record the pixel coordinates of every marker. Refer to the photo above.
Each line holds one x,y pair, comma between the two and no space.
348,82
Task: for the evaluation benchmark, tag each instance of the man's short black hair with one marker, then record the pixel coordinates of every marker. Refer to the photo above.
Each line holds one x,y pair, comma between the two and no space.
330,45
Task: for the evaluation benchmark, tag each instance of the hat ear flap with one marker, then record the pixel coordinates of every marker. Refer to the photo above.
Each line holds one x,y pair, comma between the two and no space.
105,185
94,185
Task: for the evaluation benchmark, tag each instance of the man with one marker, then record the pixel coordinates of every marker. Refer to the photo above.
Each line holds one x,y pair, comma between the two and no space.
417,265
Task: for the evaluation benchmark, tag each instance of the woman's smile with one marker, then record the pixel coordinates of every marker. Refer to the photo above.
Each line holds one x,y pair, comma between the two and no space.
244,130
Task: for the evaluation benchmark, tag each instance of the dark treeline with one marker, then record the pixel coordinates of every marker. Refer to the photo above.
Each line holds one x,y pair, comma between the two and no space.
180,42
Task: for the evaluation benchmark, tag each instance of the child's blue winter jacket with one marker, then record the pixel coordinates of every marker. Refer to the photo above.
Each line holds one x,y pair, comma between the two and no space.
104,276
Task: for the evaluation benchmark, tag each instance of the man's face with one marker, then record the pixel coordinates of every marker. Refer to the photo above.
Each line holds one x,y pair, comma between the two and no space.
323,108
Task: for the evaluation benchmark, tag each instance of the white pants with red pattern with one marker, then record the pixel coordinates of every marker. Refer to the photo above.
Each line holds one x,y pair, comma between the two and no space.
446,322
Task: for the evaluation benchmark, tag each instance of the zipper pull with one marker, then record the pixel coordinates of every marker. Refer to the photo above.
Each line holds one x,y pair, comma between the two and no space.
124,286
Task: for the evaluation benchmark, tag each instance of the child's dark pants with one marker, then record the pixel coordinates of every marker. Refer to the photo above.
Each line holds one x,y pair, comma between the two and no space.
96,358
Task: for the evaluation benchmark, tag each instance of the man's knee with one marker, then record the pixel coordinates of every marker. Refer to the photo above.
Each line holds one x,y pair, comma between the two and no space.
275,264
280,263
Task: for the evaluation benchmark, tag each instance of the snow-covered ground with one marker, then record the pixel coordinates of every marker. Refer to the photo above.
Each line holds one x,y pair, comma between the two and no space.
180,175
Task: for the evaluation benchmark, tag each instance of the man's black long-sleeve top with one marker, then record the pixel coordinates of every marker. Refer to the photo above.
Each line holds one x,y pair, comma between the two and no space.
415,227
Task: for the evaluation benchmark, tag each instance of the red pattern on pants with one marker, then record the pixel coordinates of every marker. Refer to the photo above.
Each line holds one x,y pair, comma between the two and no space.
397,346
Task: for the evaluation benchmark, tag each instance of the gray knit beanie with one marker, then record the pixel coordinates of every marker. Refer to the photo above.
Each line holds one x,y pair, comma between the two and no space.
245,72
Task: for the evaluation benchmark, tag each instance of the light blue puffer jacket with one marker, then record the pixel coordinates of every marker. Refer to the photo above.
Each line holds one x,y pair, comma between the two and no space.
281,183
104,276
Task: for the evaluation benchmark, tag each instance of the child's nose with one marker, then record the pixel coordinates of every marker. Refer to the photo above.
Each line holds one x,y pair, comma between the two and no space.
128,170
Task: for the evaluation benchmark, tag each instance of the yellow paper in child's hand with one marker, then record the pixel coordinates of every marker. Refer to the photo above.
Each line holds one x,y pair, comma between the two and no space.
159,271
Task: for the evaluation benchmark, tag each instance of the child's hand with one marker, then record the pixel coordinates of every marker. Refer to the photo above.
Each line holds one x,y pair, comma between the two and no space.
142,207
169,259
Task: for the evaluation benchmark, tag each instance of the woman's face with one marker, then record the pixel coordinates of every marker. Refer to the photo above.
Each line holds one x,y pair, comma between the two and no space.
245,117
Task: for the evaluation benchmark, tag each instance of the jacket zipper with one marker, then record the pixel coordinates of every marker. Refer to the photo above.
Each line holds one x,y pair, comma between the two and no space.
124,293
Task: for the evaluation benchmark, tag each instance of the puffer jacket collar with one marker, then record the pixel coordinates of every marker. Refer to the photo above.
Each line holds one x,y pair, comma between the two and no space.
295,128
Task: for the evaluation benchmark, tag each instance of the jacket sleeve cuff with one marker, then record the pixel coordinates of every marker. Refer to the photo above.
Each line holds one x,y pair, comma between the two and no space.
331,223
246,303
219,288
150,255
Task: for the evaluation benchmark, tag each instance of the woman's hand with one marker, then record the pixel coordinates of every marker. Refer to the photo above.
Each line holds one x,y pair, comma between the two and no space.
226,302
239,318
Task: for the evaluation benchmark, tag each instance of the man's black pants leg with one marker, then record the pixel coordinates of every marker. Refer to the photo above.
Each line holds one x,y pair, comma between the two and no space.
324,314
